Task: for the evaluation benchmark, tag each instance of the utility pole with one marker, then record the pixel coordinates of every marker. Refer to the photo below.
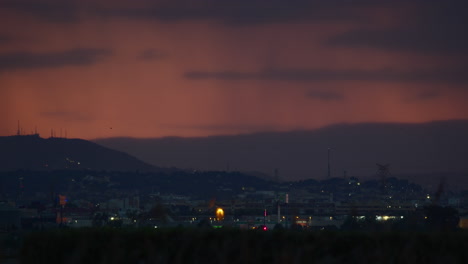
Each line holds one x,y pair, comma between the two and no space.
286,211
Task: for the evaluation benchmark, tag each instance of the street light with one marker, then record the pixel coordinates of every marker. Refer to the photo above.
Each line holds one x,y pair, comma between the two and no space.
220,214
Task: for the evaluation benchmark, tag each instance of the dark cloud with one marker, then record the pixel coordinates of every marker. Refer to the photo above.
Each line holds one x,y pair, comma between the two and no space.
74,57
151,54
325,95
51,10
229,12
424,96
405,40
436,27
240,11
66,116
428,95
310,75
4,39
221,127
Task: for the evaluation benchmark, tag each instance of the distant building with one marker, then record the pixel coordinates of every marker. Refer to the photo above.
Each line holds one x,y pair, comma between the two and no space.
10,217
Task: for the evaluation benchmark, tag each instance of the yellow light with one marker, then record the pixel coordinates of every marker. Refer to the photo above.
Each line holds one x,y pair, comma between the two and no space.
220,214
386,217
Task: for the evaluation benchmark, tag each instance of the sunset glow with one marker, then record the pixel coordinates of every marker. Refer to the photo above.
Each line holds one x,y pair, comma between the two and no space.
153,69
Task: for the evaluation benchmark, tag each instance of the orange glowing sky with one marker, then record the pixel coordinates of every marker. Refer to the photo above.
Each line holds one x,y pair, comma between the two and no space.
177,68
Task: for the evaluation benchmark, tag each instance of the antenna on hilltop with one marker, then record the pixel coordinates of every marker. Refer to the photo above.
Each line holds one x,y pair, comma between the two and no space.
18,132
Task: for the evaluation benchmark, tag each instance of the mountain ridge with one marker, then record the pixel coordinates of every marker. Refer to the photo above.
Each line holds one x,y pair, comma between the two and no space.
438,147
31,152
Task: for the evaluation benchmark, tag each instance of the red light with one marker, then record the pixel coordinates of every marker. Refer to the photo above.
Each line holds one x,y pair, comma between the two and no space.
264,228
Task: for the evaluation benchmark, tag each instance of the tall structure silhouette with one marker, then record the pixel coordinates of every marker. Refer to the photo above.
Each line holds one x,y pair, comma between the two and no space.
329,169
383,172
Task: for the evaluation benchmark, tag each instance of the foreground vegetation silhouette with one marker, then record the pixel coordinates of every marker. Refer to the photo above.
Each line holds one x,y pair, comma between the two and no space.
202,245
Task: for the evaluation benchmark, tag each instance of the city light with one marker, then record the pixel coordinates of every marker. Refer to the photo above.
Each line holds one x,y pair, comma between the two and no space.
220,214
385,217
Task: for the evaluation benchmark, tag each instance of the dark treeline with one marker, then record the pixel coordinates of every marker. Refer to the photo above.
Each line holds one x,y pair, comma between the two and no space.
237,246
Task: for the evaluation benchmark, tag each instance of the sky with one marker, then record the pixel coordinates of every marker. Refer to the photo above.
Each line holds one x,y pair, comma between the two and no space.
113,68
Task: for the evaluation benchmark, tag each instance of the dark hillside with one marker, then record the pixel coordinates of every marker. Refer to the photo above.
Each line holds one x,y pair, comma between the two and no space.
35,153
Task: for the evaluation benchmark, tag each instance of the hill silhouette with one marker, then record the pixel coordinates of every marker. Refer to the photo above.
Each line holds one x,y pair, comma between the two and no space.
423,152
31,152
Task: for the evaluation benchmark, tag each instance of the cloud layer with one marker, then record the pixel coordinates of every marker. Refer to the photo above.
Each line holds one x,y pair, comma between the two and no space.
155,68
437,27
304,75
73,57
